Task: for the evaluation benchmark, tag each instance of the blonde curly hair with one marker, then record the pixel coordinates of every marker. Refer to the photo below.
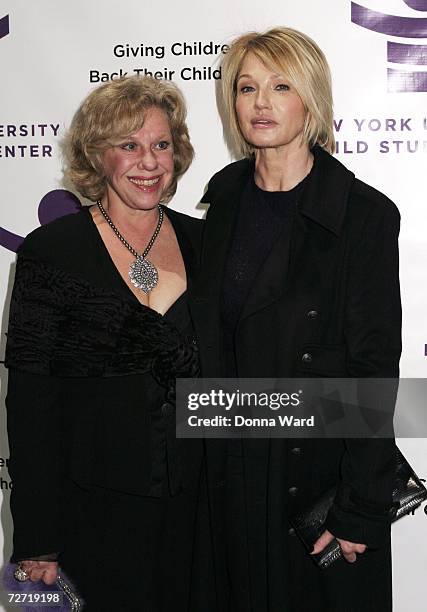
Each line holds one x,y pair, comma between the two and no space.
110,114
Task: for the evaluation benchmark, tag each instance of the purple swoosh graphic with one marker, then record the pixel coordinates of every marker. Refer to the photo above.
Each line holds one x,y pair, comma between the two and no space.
54,204
9,240
57,203
400,81
393,25
399,53
417,5
4,26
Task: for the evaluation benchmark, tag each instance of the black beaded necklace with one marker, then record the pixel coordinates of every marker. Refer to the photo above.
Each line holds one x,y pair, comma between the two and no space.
142,273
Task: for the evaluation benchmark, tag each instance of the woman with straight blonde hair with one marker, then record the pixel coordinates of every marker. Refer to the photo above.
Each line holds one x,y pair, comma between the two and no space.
299,278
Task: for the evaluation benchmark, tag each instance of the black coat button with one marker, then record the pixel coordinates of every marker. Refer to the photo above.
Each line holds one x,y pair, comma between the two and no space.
296,450
312,314
307,358
167,409
293,491
291,531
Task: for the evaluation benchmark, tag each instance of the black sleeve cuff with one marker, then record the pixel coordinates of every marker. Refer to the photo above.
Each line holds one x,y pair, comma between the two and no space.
358,524
51,557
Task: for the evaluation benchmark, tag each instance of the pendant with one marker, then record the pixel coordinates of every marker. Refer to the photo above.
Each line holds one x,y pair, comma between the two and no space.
143,274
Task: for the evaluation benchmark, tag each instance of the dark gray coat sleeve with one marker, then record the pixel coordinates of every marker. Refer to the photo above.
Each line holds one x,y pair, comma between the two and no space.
363,505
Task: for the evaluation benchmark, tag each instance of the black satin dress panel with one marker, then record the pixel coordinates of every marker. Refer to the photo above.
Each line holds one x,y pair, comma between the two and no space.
137,550
123,492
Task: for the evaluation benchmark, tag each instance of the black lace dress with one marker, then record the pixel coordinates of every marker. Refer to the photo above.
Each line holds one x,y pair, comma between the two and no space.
98,475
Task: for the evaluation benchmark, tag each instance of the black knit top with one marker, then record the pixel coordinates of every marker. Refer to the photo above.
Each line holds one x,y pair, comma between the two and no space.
260,220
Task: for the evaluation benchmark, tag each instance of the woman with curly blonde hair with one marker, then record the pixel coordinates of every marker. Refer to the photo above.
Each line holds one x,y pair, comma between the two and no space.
99,330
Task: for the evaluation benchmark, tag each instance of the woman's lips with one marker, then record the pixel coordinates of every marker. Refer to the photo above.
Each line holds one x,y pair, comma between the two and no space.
263,123
145,184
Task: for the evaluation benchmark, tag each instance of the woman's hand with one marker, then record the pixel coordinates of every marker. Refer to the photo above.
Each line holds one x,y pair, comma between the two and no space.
41,570
349,549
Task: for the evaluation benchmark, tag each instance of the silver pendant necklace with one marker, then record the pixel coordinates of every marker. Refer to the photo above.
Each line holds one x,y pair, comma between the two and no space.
142,273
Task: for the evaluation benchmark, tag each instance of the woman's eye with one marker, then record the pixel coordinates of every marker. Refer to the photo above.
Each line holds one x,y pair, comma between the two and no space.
282,87
246,89
163,145
128,146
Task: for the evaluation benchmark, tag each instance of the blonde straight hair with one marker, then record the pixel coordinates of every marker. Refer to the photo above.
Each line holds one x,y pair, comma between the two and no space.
299,59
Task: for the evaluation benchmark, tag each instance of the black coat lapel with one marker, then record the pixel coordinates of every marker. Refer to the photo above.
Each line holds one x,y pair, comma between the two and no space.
324,202
188,234
205,296
224,200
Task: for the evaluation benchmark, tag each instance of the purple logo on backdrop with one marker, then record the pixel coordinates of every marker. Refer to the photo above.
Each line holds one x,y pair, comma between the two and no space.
4,26
399,53
417,5
54,204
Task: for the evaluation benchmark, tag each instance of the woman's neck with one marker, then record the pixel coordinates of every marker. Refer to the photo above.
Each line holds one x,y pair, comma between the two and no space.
282,168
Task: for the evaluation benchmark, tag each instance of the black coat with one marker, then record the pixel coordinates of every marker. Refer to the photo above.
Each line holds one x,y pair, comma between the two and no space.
332,292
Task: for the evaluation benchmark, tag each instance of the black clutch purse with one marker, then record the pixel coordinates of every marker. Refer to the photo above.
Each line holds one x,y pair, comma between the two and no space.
408,493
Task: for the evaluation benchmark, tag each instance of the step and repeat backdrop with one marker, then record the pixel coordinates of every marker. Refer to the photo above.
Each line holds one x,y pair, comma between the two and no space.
52,53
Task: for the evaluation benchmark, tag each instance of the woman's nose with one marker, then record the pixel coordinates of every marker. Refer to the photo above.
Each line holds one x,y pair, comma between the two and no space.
262,100
147,160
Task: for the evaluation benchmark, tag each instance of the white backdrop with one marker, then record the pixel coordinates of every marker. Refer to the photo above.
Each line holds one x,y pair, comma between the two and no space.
52,52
